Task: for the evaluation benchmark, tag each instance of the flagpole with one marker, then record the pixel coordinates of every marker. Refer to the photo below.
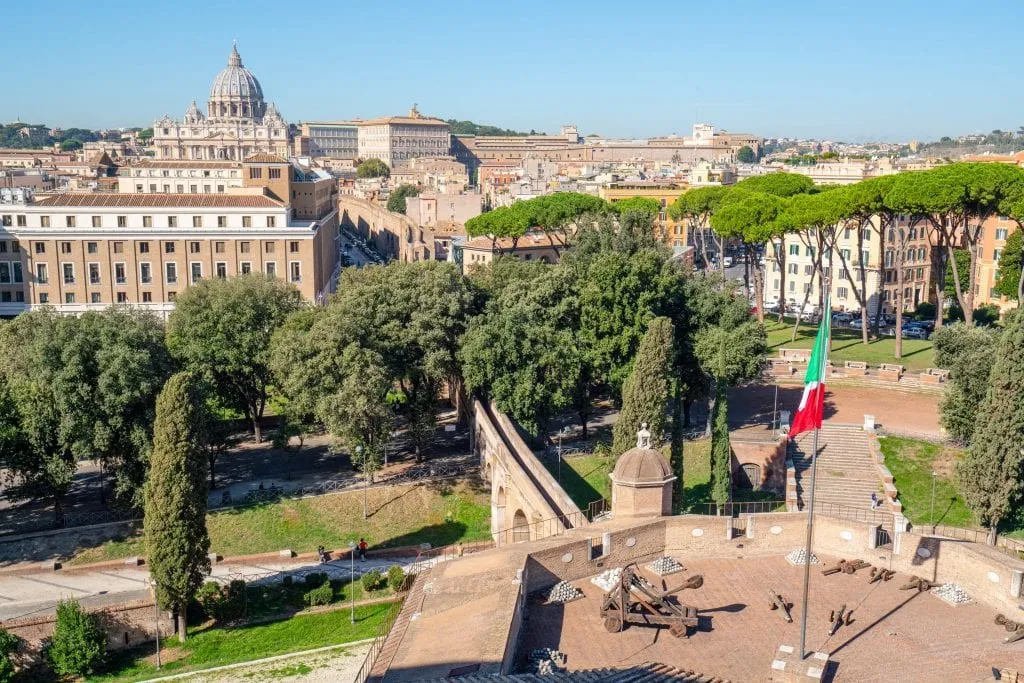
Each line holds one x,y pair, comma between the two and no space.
826,311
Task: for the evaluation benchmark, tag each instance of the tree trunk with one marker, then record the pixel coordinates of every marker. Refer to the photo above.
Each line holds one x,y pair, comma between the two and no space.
993,531
211,459
103,493
687,404
703,236
758,288
862,296
965,300
898,350
940,278
677,444
1020,285
583,415
58,509
257,430
780,261
711,408
180,617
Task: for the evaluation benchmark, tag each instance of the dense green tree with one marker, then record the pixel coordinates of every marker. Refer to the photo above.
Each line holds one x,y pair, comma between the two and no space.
396,200
646,392
70,145
1010,280
8,646
636,205
175,521
78,646
221,329
699,205
372,168
991,475
957,269
493,278
745,155
145,135
523,352
470,128
968,354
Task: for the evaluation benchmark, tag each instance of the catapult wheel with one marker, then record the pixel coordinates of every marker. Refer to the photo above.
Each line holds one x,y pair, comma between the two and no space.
612,624
677,630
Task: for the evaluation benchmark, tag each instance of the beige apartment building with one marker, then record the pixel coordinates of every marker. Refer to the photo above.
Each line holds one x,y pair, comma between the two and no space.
86,251
431,209
994,233
169,176
396,139
673,233
443,174
533,246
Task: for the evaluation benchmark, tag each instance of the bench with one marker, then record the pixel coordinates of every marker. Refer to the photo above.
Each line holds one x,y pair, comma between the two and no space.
934,376
890,372
781,367
857,367
892,367
795,355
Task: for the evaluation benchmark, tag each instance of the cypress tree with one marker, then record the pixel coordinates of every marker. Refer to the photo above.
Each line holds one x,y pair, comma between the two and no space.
721,452
646,391
992,473
175,520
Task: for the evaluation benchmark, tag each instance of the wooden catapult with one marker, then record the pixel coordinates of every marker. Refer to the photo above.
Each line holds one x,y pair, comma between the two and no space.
634,600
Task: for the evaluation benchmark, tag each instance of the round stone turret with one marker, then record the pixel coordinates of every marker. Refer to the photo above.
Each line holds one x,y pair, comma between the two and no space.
642,481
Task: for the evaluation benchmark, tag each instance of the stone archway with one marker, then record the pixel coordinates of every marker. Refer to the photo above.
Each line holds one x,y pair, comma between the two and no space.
499,510
520,527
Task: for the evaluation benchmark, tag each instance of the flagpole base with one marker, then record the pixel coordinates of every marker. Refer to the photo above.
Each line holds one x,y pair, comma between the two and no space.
788,667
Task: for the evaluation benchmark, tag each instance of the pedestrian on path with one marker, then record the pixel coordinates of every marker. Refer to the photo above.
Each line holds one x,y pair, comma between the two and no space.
362,550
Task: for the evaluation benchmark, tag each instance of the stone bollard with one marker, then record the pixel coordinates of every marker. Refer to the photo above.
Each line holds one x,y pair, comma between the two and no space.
287,552
1016,583
728,528
750,526
873,530
869,423
133,561
50,565
606,543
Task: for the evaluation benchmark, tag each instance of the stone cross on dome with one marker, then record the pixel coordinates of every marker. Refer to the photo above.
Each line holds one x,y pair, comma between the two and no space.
643,437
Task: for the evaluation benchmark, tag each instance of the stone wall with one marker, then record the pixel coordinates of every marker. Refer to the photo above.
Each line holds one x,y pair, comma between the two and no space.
769,456
392,234
127,625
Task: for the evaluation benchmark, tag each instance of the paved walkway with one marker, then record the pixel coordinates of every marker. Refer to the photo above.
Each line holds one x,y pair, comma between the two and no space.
38,593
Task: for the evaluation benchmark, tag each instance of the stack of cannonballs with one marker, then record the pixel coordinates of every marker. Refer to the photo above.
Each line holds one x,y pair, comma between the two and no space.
607,579
563,591
664,566
952,593
799,557
544,660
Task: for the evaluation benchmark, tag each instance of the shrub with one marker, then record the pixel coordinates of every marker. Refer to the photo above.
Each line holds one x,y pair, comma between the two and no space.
396,578
8,644
925,311
322,595
315,579
78,646
986,315
287,581
209,598
223,603
371,579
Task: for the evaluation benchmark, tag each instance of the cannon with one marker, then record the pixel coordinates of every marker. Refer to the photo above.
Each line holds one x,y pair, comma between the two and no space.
916,582
779,603
634,600
845,566
840,617
1015,629
879,574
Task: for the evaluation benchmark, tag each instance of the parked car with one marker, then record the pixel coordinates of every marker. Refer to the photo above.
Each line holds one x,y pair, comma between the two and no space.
915,333
727,261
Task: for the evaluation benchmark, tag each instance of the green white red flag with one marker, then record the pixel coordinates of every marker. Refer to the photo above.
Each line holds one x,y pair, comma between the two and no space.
812,404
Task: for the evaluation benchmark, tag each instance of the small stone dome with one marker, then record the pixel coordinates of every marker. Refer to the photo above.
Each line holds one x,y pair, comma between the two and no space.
641,466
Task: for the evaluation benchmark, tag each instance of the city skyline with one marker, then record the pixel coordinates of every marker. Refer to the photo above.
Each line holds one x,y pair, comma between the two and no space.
541,69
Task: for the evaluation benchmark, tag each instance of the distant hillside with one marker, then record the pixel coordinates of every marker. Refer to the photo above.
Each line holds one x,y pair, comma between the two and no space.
470,128
20,135
996,142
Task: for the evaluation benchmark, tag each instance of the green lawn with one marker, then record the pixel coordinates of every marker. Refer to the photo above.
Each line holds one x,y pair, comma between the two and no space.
219,646
912,463
847,345
435,513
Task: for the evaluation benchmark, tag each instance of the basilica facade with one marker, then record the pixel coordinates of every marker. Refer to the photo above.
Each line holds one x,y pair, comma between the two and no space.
238,122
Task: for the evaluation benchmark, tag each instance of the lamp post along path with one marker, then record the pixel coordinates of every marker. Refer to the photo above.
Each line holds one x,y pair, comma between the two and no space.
156,614
352,579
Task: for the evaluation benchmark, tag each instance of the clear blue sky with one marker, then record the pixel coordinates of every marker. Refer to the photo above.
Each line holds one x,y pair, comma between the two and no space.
873,69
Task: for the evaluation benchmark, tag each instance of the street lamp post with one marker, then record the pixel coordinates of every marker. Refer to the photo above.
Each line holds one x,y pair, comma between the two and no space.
931,516
352,578
156,614
563,430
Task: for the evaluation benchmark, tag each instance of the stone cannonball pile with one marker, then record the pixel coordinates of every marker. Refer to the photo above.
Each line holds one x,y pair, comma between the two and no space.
544,660
607,579
563,591
799,557
952,593
665,565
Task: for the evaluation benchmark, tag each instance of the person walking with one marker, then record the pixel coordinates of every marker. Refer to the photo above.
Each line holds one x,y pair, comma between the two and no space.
362,550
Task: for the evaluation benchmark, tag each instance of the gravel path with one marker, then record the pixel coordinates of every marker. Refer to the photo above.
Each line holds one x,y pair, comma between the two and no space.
333,666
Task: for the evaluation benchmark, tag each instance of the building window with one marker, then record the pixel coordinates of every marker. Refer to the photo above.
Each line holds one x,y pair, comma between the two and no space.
243,247
5,273
181,188
143,247
293,247
147,297
842,292
68,269
172,221
69,221
65,247
271,268
94,273
255,173
221,269
197,222
122,298
197,271
271,221
16,266
95,298
193,247
118,247
168,247
295,271
246,267
91,247
40,247
172,273
1001,233
44,221
996,253
96,222
193,189
122,221
145,273
246,221
222,221
268,247
44,298
147,221
218,247
69,298
172,296
119,274
20,220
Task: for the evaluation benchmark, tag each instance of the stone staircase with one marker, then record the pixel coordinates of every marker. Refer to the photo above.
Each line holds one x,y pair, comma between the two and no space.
644,673
847,474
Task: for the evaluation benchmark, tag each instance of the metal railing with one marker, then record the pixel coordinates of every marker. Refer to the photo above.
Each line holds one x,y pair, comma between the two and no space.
598,507
1010,546
379,639
544,528
854,514
745,507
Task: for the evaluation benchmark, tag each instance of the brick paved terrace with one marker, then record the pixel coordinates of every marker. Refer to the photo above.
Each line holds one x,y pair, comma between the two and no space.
895,635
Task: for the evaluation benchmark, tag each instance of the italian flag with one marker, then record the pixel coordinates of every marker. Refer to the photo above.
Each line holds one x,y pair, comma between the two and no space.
812,404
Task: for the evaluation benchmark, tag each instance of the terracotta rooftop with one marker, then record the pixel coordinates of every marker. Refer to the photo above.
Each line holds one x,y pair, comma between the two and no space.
264,158
404,120
532,240
161,200
183,163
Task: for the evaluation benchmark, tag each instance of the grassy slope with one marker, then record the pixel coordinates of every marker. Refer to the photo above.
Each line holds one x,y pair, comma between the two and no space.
912,463
846,345
438,514
220,646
